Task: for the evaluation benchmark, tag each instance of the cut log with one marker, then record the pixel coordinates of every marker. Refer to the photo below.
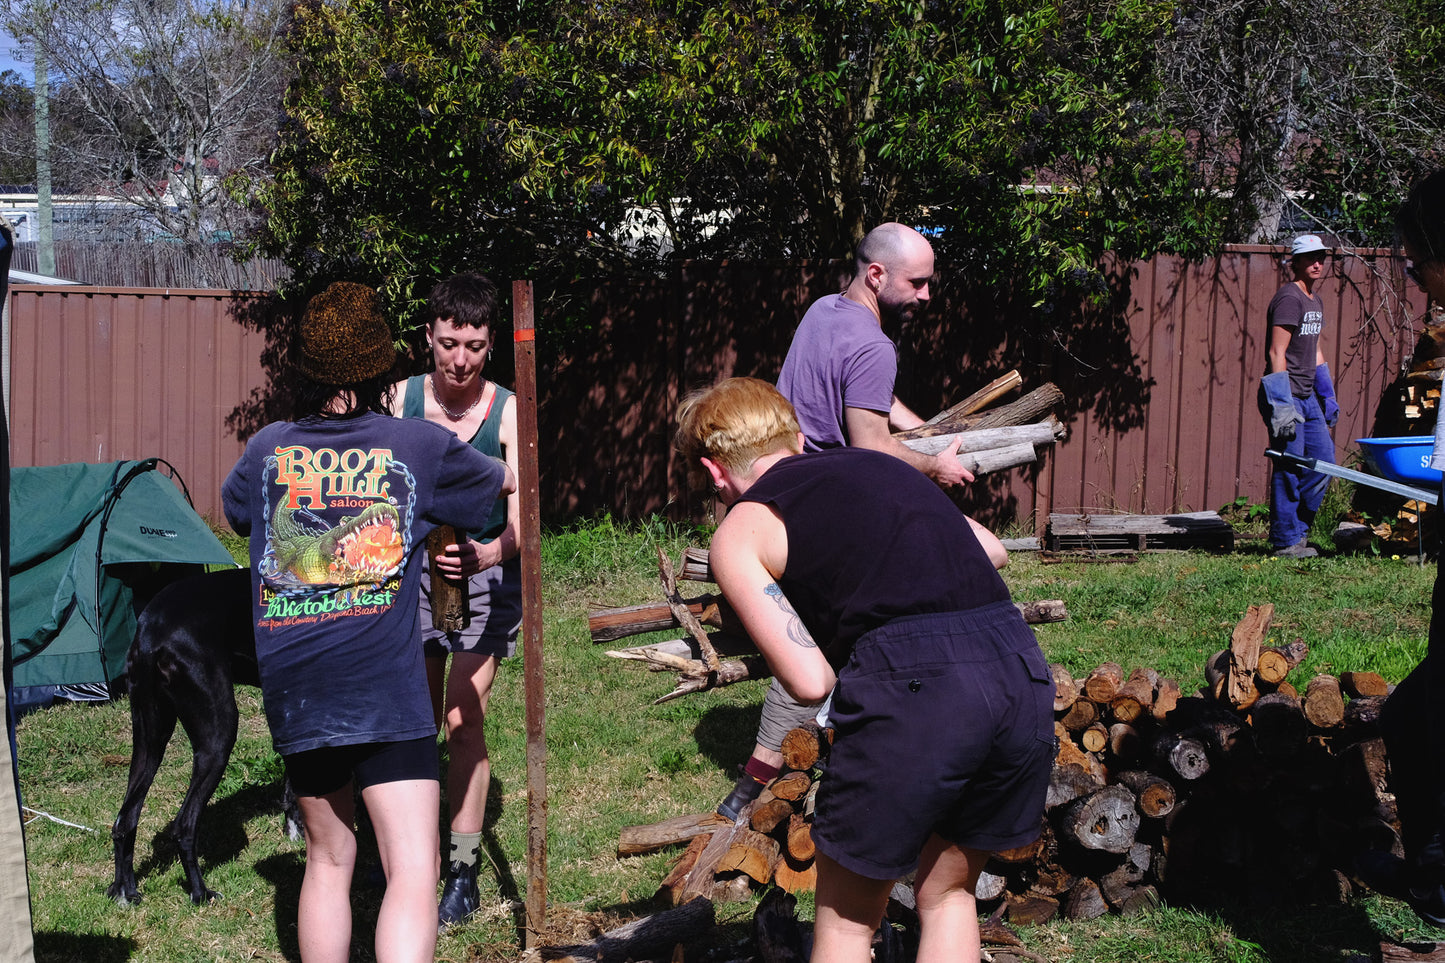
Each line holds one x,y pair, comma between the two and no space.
671,889
1094,738
1357,684
1032,407
1154,796
1084,901
449,610
769,813
1071,755
1364,712
1166,697
736,889
1279,724
1030,910
1324,702
1019,854
800,846
804,745
980,399
998,459
1103,683
1066,690
608,625
651,937
1125,744
695,566
1082,714
751,853
791,786
670,832
1040,433
1276,661
1216,672
1067,783
990,887
796,880
1244,647
1180,755
1134,698
1106,820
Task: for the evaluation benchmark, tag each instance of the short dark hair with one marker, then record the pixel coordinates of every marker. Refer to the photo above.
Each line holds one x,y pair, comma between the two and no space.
467,300
1420,221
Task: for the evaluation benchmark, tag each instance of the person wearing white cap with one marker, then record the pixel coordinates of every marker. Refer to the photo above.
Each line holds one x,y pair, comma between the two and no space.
1297,399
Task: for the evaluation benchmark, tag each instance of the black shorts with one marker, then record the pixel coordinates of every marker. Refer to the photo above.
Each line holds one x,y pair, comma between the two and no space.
943,724
317,772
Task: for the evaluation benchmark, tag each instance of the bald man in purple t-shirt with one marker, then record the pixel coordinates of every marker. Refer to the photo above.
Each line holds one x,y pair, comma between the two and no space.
840,368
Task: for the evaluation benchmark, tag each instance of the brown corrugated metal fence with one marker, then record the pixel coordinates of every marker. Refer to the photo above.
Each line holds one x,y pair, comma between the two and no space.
1160,380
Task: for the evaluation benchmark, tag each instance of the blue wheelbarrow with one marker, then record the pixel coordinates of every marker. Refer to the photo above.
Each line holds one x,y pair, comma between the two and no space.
1400,460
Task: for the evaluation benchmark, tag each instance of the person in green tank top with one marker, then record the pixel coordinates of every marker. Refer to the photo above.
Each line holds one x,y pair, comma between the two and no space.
456,395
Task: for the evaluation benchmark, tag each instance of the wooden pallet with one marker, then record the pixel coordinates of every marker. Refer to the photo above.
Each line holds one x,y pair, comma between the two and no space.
1115,534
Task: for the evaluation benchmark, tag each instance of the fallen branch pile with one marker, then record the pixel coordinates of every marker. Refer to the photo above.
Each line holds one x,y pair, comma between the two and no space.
697,659
1251,786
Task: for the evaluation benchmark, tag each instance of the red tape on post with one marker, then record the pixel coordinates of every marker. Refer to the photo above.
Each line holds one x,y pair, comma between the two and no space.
525,334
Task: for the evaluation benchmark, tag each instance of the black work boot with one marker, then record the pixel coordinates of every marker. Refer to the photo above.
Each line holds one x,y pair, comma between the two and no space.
460,896
744,792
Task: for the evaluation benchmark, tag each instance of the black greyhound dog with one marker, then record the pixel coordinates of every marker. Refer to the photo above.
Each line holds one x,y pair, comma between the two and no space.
193,646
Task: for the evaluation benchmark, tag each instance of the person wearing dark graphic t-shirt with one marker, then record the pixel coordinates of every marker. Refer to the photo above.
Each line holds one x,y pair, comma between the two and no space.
336,504
1297,399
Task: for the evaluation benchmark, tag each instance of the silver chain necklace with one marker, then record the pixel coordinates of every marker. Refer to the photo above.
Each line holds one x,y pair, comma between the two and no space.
454,415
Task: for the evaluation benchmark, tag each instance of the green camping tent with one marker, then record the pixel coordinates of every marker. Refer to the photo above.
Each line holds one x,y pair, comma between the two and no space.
84,539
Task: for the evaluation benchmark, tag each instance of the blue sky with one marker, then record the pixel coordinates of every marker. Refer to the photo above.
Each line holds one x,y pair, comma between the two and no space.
9,48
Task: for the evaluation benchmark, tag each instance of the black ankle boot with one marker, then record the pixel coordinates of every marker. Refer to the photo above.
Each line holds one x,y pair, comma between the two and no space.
460,896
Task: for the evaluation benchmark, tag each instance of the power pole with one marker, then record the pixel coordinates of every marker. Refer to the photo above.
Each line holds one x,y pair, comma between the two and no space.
44,232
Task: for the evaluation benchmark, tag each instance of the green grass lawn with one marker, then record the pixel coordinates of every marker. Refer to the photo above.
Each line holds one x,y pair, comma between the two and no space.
614,760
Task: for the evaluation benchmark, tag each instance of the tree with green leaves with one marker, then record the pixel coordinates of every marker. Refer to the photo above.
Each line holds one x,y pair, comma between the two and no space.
557,139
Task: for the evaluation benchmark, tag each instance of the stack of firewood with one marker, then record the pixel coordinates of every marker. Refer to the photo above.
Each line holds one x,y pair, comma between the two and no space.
771,841
1251,786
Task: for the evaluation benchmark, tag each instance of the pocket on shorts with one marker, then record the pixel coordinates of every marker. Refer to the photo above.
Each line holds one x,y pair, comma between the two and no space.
1042,689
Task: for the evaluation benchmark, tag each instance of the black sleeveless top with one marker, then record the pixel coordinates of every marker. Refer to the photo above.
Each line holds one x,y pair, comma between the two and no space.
870,539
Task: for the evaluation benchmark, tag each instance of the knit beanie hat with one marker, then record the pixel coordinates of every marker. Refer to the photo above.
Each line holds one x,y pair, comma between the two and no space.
344,338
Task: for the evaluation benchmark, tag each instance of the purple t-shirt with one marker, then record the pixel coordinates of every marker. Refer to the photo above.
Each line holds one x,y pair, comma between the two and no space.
336,510
840,358
1292,308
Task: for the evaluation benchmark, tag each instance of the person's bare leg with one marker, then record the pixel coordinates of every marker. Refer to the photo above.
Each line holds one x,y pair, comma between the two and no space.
323,916
945,888
469,768
849,909
404,815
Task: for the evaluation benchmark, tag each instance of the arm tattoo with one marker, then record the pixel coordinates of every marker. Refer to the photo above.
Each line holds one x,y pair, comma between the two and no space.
797,631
